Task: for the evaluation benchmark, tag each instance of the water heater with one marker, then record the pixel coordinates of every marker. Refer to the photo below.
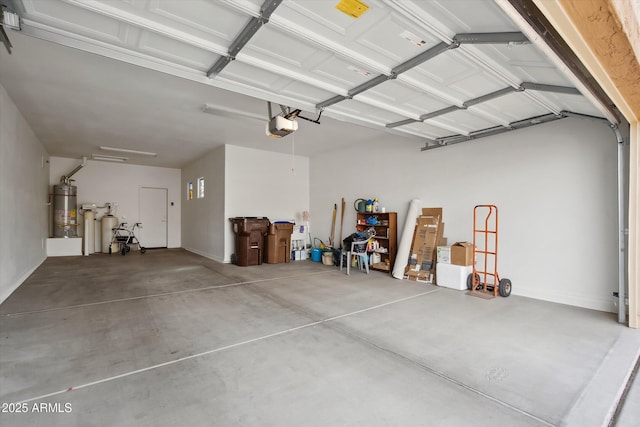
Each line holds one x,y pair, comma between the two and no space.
65,213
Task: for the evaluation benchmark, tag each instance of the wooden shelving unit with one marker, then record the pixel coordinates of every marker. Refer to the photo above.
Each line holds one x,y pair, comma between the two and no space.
386,235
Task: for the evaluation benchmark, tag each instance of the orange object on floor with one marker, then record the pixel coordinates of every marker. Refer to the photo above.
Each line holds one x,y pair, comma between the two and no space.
486,281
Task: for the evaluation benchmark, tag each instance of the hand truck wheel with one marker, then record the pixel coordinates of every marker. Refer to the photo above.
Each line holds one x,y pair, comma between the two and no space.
470,281
123,251
143,249
504,287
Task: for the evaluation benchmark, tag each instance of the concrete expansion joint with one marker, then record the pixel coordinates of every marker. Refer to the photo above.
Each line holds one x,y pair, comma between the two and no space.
161,294
423,367
223,348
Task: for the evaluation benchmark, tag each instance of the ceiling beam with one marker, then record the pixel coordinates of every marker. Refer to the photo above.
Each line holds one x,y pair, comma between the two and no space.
410,10
252,27
330,101
440,112
492,38
401,123
489,96
550,88
395,72
483,133
493,95
369,84
423,57
470,38
549,40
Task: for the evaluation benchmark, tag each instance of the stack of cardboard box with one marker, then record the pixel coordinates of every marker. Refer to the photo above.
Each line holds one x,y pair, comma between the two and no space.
427,236
431,260
454,265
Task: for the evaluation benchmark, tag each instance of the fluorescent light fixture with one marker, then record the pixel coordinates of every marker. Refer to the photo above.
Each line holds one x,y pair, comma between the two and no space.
109,158
124,150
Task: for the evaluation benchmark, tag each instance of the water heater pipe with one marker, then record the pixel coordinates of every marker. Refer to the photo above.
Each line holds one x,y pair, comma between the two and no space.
65,178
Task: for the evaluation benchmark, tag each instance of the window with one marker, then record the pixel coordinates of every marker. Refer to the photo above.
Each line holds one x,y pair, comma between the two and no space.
190,191
201,188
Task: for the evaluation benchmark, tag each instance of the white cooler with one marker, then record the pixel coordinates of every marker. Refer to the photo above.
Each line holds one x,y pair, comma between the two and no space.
453,276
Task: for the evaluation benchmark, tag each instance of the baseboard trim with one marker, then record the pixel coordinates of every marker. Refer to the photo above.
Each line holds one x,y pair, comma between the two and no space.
205,254
6,293
590,302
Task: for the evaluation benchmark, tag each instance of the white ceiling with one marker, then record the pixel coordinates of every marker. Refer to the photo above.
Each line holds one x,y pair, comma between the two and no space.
135,74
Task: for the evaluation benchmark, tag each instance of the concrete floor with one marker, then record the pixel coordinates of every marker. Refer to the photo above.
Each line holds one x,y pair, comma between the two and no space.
170,338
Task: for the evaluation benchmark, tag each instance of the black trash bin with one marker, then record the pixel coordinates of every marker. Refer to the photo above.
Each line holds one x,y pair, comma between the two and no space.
250,232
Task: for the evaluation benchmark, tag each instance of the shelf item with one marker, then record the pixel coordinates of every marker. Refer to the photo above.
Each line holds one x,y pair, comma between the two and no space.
381,266
385,226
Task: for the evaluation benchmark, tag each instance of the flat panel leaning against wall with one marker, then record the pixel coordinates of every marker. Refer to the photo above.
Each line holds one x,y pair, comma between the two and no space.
555,186
119,184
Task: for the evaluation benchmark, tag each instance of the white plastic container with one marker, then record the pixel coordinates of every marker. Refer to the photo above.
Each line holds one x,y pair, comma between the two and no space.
375,258
108,223
453,276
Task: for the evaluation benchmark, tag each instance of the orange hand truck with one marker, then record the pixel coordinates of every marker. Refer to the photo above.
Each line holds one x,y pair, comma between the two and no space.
485,254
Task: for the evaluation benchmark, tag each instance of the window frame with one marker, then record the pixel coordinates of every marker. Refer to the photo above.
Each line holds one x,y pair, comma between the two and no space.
200,190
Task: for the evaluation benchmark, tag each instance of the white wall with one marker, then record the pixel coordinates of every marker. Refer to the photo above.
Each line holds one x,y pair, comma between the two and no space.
262,183
554,184
241,182
100,182
203,220
24,175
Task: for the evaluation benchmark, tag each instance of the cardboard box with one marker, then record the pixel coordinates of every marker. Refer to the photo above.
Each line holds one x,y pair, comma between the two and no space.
444,254
428,234
453,276
462,253
422,256
432,212
440,239
423,276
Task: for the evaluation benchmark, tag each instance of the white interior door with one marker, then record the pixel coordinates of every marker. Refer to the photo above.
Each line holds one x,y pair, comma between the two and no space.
153,216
